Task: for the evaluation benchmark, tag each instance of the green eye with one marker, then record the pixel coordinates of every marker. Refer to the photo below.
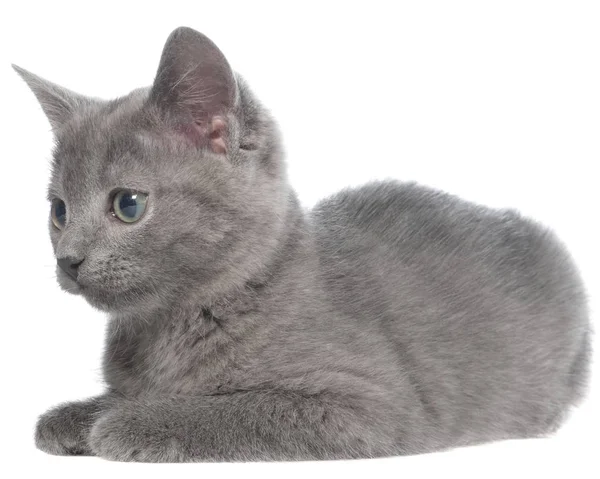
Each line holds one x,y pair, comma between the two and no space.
58,213
129,206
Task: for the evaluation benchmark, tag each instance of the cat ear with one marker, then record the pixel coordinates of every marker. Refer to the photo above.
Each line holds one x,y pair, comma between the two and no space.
195,83
57,102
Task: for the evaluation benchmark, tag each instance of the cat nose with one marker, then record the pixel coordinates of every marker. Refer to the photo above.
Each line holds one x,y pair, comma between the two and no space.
70,266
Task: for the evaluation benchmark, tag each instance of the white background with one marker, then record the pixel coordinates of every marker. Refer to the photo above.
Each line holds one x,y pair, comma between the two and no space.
496,101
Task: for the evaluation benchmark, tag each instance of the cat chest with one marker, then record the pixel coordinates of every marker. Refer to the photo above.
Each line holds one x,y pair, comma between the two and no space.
174,362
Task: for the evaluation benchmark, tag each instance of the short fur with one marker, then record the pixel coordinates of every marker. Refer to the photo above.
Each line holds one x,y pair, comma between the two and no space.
391,319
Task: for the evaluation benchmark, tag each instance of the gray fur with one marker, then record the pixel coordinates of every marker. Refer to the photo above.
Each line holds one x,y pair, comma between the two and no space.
391,319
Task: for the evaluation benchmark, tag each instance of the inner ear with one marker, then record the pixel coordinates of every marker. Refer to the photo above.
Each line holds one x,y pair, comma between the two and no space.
201,134
195,85
216,135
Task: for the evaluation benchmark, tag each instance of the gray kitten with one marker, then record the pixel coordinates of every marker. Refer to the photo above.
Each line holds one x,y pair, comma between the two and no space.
391,319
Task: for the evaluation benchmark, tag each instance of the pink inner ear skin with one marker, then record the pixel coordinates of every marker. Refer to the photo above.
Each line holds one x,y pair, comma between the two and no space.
199,135
216,135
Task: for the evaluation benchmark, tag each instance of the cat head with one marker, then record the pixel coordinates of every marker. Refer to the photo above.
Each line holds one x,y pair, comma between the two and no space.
173,191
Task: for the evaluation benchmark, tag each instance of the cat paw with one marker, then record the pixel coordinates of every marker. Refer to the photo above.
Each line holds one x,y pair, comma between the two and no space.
62,431
125,435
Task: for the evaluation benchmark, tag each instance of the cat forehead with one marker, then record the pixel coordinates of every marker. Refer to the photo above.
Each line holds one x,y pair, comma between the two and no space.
91,151
99,148
122,143
101,118
95,155
102,131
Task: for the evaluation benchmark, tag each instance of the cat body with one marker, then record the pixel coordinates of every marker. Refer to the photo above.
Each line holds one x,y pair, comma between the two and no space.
390,319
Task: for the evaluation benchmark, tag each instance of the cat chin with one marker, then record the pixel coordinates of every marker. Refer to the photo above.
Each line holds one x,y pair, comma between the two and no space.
99,305
102,300
67,284
111,302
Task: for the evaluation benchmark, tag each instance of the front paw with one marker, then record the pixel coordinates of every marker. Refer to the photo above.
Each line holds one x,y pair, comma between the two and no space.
63,430
127,435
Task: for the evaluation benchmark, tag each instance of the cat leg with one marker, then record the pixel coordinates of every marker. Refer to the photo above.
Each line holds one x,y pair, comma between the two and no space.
244,426
64,429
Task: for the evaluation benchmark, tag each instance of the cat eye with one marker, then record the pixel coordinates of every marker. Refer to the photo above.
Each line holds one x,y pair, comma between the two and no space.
58,213
129,206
